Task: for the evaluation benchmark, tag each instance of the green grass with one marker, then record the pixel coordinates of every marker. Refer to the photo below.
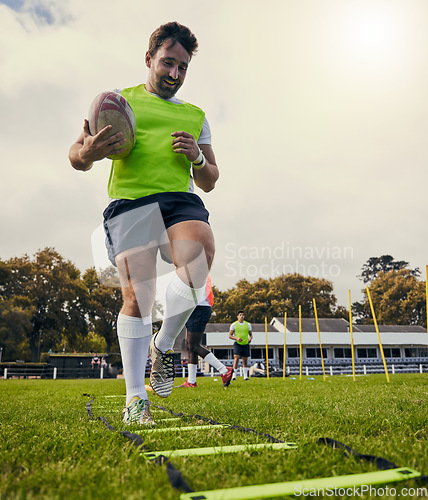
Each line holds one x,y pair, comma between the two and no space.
49,448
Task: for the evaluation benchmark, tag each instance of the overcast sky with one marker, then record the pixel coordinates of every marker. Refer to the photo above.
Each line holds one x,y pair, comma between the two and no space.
318,110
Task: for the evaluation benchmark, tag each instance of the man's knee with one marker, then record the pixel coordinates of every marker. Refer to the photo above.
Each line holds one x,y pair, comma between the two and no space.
193,343
202,352
138,301
209,249
192,241
190,346
130,305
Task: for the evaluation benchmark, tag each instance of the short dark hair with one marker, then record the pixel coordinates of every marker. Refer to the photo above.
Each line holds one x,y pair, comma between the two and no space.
177,33
239,312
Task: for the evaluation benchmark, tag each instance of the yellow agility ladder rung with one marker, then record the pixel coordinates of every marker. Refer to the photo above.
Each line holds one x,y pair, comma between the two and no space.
325,486
219,450
189,428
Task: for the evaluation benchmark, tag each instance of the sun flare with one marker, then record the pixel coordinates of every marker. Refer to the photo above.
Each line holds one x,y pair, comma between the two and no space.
373,33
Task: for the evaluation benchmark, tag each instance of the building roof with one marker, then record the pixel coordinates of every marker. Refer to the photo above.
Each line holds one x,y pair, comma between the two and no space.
217,335
309,324
224,327
390,328
337,325
217,327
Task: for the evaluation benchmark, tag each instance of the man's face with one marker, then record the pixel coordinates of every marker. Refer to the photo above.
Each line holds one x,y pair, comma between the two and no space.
167,69
241,317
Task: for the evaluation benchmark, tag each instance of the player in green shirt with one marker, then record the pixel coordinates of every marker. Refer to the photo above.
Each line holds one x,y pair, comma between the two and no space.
154,209
241,333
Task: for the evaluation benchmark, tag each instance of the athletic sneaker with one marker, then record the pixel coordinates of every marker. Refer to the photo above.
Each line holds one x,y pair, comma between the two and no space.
162,374
226,378
137,412
187,384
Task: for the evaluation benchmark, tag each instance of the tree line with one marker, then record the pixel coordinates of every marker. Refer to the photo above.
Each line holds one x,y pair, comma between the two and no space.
398,296
46,303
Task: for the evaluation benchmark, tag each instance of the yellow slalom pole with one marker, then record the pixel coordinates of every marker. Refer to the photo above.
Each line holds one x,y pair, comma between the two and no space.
300,348
285,345
319,338
352,337
267,355
378,335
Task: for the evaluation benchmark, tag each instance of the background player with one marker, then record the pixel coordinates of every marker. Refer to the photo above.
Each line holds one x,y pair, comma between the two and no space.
241,333
195,328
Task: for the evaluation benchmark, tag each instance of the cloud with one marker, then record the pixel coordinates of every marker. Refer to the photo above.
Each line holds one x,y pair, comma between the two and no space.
33,13
317,144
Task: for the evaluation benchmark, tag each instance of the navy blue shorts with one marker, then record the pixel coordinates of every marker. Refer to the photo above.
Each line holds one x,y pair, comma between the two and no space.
198,319
242,350
132,223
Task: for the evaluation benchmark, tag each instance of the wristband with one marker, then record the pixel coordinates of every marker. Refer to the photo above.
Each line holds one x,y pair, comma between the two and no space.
200,161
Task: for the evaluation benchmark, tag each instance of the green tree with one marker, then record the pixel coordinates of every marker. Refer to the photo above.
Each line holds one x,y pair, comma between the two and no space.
15,324
276,296
385,263
398,299
56,296
92,342
103,303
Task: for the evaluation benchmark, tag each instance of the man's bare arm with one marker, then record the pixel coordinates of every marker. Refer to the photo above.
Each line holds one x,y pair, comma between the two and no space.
205,177
233,336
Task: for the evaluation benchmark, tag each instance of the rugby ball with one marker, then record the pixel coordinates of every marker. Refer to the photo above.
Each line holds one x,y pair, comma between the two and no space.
111,108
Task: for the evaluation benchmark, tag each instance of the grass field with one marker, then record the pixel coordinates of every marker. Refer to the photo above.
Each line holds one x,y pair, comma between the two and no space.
50,448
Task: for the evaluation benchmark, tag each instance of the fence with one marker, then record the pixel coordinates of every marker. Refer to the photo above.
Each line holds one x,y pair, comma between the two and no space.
362,367
46,371
309,368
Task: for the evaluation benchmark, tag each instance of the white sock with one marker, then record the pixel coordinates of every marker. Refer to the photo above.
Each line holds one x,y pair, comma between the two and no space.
245,372
134,336
216,363
181,300
234,374
192,373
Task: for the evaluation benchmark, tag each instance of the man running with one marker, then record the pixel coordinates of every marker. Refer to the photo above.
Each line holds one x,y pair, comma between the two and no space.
242,334
154,209
195,328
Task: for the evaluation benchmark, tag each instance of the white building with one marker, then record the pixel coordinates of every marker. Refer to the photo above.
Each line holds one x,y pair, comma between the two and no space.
405,347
